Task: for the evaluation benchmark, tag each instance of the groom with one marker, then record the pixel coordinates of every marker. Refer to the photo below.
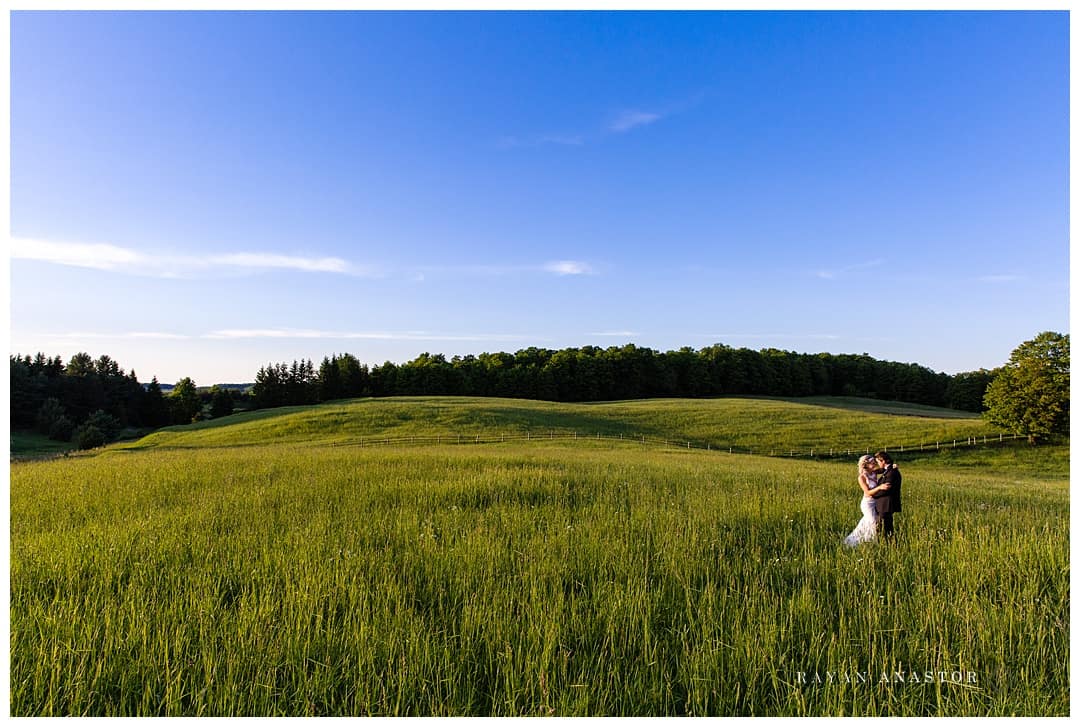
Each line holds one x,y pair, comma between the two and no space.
888,500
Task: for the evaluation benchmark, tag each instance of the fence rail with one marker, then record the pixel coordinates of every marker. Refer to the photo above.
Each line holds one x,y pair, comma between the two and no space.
677,443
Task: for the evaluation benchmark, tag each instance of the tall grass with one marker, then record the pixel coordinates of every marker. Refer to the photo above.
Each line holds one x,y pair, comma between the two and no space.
562,579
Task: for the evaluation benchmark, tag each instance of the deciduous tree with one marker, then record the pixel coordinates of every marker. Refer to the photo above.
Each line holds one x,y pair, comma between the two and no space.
1030,394
184,401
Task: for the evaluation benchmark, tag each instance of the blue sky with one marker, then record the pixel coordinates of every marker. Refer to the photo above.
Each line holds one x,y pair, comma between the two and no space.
199,194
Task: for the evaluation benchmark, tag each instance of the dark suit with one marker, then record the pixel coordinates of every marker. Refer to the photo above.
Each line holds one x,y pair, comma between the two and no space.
888,501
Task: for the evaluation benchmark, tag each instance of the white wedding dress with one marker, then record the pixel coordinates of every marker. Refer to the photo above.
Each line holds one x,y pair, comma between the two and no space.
866,530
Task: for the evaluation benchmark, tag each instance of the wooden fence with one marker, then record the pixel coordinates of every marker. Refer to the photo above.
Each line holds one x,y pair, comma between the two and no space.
553,435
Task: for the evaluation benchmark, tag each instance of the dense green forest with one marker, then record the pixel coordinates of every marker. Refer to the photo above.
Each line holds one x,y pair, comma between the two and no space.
616,373
91,401
87,400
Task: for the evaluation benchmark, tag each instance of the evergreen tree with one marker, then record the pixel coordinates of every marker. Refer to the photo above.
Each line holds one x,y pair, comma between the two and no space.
221,401
355,377
268,390
47,416
81,364
330,384
155,410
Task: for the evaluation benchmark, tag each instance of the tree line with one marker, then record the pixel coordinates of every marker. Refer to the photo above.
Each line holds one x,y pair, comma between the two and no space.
627,372
90,401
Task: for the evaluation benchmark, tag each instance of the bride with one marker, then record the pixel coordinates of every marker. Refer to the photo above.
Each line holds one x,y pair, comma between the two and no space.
866,530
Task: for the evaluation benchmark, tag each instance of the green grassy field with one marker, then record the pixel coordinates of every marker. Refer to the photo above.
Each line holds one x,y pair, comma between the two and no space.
763,425
259,568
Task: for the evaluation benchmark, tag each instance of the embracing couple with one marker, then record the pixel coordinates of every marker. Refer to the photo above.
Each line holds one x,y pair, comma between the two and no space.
879,480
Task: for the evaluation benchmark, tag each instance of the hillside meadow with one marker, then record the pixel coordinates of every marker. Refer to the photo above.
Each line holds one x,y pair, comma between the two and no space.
761,425
270,565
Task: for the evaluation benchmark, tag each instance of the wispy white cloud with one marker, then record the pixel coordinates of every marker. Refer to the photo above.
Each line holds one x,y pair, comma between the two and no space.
114,258
568,267
616,334
618,122
554,267
118,259
84,255
255,260
627,120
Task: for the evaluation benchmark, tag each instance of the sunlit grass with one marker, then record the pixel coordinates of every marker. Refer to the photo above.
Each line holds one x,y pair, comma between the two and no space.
548,578
763,425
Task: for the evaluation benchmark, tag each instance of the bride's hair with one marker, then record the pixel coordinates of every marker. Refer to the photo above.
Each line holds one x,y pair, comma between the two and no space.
863,460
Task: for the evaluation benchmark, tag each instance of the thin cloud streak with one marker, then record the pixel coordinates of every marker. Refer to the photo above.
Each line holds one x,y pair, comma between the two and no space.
113,258
264,260
620,123
97,256
568,267
628,120
116,259
554,267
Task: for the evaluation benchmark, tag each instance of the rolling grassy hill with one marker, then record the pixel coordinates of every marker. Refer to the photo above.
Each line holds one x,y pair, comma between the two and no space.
761,425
